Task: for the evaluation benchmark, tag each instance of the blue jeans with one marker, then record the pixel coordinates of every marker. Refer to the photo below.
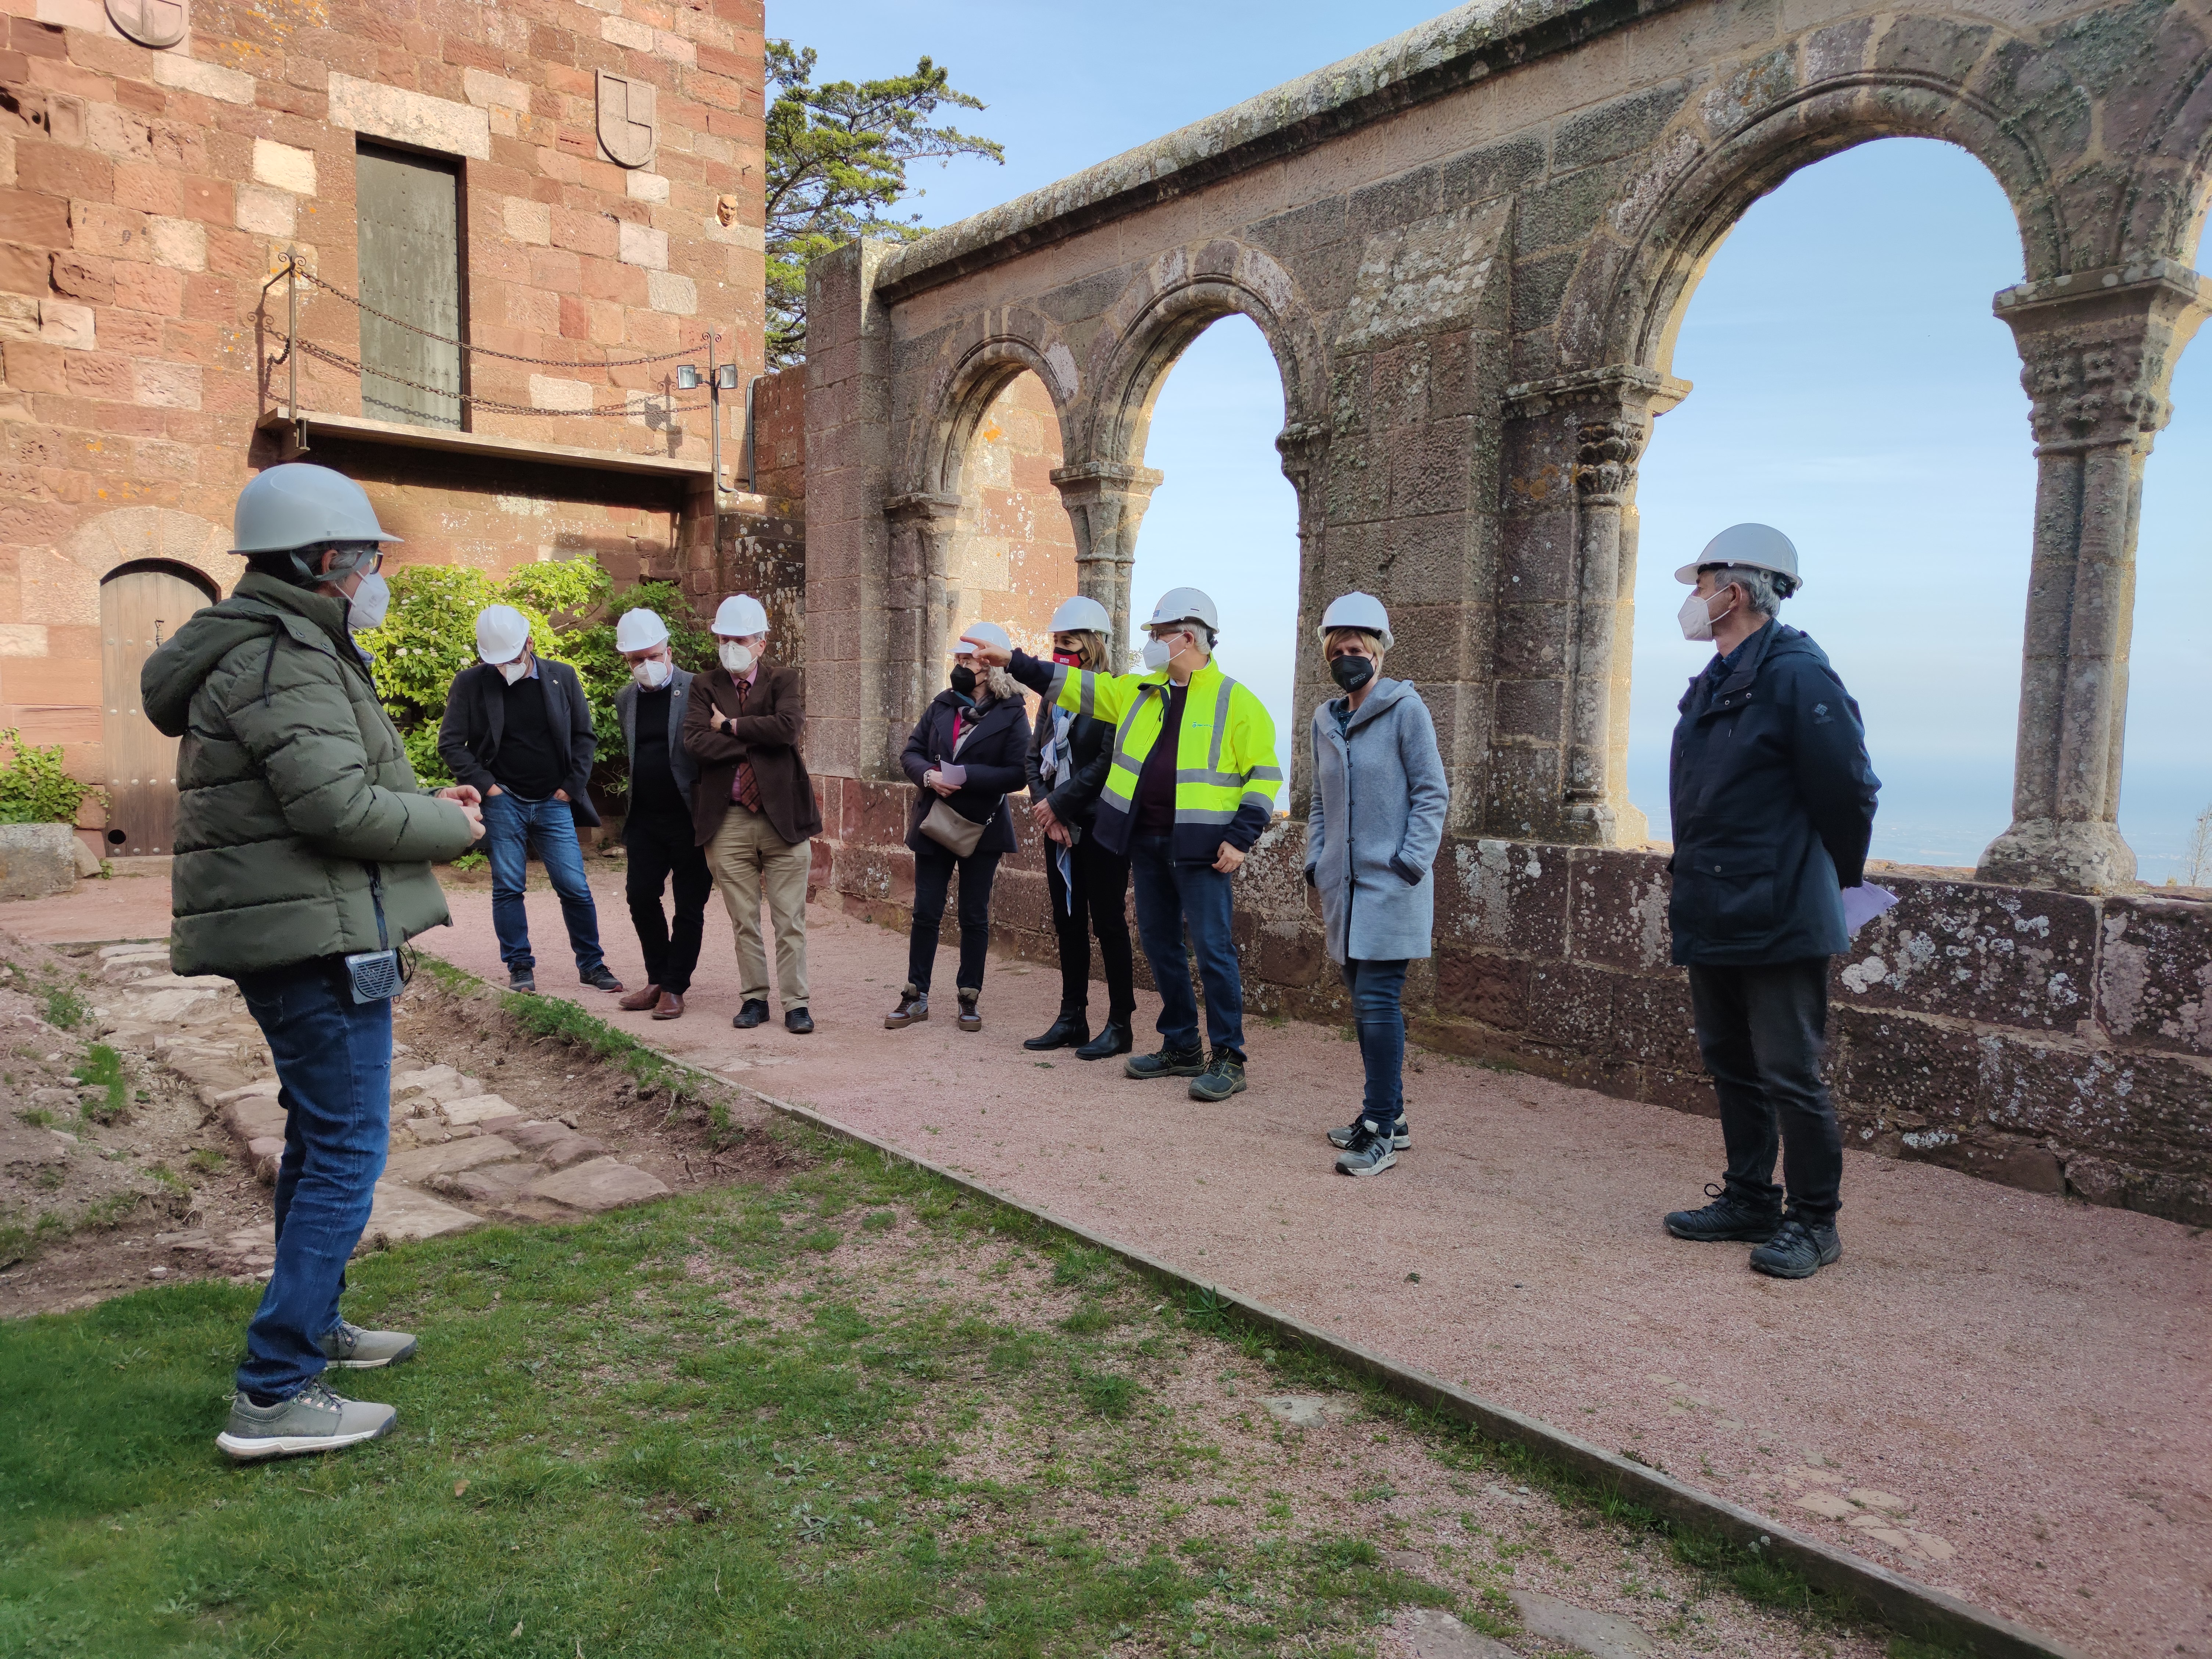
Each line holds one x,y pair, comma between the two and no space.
511,823
334,1066
1169,897
1379,1016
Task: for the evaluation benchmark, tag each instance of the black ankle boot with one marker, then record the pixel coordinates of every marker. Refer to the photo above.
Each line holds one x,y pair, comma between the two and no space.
1114,1038
1070,1030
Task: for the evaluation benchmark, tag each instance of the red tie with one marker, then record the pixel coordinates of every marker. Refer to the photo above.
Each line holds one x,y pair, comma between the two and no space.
746,790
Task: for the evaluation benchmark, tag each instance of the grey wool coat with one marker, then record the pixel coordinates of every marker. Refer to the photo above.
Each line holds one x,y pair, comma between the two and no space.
1378,818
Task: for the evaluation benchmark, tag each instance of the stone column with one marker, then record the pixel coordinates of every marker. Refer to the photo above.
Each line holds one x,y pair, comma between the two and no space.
1304,446
920,608
1106,502
2098,348
1605,415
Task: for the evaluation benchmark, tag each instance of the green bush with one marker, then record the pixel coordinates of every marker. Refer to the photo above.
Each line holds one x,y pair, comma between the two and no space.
430,636
35,787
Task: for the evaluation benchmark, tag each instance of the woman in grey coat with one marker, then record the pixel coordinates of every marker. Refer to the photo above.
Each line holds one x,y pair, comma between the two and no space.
1377,817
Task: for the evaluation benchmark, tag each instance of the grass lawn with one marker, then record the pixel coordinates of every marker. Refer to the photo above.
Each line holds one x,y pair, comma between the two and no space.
853,1414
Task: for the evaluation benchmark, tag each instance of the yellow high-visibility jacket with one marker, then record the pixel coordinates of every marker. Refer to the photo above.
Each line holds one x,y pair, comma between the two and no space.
1226,775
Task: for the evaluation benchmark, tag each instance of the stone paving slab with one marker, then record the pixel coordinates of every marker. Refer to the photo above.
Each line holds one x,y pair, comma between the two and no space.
419,1163
601,1183
401,1214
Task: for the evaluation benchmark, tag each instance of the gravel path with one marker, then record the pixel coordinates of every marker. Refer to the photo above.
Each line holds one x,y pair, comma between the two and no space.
2000,1394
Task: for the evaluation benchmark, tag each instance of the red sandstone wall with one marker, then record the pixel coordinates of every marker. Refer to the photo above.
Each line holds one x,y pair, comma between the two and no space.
1012,559
145,196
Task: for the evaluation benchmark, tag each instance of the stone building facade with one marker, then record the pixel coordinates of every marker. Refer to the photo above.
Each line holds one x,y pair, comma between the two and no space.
573,188
1469,250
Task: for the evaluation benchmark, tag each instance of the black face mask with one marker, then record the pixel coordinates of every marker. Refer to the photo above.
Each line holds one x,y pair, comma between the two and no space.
1351,672
963,680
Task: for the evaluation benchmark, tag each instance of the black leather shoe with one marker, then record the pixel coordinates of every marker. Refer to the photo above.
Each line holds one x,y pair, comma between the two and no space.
1728,1217
1070,1031
797,1021
522,979
753,1013
1797,1250
601,978
1114,1038
1167,1062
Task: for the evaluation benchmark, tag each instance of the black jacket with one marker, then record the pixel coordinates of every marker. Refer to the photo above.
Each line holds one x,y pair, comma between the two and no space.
476,710
1773,803
1090,753
992,755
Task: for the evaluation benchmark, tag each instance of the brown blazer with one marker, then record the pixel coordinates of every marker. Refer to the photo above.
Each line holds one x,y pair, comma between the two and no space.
767,734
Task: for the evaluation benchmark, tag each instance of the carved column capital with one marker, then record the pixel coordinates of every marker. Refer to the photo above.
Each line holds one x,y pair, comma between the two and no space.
1606,453
2097,351
1302,445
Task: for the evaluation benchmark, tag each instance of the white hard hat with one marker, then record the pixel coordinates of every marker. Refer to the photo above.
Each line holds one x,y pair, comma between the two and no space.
640,630
1361,611
988,632
740,616
502,632
1184,605
302,504
1754,546
1081,614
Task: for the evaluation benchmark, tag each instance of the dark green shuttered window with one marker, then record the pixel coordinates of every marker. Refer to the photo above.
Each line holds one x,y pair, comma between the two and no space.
410,269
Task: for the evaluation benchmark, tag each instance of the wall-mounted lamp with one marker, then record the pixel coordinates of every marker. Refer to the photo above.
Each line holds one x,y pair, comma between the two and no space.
720,377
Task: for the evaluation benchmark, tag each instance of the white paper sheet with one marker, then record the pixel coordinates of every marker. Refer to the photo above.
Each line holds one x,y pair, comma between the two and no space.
957,777
1863,903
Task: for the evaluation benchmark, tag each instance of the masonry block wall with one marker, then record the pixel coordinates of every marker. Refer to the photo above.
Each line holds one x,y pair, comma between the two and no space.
1468,249
147,196
1012,559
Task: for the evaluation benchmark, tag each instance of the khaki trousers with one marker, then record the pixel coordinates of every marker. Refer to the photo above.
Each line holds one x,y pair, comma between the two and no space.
748,858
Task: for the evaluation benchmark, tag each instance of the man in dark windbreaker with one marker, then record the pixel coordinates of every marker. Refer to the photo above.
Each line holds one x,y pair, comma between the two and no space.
1773,803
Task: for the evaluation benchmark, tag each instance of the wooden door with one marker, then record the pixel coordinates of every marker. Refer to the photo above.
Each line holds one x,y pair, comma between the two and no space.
138,609
410,223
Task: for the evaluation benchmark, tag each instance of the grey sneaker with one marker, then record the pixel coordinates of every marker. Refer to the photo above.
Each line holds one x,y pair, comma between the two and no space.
357,1350
1401,1138
1224,1076
312,1420
1370,1154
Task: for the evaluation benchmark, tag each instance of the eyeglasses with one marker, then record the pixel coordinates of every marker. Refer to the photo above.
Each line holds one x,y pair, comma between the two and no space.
344,561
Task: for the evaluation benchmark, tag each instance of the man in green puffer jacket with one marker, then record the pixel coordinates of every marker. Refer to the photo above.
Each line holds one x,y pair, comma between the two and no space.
302,840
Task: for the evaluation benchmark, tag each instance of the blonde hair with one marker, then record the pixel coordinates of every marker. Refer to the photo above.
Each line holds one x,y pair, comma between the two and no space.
1337,636
998,683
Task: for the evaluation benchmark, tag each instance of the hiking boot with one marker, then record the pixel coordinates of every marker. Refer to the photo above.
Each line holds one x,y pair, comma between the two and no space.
1070,1030
1371,1152
798,1022
1223,1077
601,978
969,1019
1401,1138
1728,1217
754,1013
1169,1063
312,1420
522,979
1114,1038
354,1349
1798,1250
913,1009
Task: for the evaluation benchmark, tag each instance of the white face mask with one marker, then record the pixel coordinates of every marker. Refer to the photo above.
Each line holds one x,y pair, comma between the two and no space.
652,673
1156,654
1697,617
367,608
737,658
512,671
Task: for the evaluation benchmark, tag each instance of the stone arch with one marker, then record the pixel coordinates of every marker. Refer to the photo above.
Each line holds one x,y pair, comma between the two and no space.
61,583
1632,290
1172,301
973,370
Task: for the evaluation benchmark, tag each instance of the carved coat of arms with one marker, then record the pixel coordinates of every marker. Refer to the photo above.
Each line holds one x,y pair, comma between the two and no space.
156,23
626,125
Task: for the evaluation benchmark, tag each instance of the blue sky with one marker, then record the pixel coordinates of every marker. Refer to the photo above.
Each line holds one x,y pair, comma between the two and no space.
1851,387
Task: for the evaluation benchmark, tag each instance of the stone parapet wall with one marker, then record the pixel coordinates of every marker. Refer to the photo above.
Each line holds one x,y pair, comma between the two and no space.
2049,1040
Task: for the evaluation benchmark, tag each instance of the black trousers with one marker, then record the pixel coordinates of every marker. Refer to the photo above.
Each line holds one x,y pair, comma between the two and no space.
1763,1031
1102,893
932,876
660,844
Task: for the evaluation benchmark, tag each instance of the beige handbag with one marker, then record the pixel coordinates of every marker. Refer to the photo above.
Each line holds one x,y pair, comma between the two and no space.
957,834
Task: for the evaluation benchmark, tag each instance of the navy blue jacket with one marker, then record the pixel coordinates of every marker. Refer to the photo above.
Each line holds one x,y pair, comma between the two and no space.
1773,803
992,752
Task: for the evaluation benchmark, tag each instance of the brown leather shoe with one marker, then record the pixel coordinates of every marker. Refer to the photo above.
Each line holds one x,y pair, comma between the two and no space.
671,1007
638,1000
912,1008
